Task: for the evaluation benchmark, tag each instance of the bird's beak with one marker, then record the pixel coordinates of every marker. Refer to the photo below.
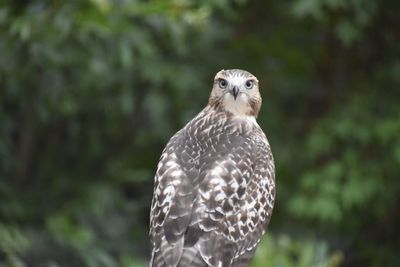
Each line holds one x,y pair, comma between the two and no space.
235,92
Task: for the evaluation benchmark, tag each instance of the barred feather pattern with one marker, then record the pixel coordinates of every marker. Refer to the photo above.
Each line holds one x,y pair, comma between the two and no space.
214,193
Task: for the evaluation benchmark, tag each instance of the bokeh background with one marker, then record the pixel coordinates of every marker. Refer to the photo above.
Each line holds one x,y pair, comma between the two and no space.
91,91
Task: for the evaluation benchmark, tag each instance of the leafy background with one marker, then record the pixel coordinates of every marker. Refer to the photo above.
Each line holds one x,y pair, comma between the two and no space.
90,92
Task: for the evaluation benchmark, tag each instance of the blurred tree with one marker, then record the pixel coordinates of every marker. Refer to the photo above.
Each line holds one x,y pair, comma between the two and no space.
90,91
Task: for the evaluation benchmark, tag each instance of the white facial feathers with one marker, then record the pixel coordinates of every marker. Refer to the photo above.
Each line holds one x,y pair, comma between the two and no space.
239,106
236,92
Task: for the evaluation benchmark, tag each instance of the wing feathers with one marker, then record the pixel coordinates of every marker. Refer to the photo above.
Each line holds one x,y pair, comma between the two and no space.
214,194
172,252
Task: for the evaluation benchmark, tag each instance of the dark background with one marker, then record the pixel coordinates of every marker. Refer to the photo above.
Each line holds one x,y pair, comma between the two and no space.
91,91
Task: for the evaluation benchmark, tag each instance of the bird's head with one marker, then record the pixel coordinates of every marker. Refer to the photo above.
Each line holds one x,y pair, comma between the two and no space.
236,91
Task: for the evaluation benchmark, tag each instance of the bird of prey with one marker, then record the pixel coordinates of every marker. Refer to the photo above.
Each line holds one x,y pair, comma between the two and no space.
215,183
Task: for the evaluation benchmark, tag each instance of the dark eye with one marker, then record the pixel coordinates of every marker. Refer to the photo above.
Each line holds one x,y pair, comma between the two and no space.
249,84
222,83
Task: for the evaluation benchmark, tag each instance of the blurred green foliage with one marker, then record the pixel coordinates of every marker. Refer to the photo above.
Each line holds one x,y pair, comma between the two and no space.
90,92
284,251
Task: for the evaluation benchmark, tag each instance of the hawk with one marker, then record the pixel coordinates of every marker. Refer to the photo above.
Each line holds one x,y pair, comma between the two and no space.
215,183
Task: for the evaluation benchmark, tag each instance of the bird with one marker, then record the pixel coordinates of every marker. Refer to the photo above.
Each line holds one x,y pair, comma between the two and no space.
214,188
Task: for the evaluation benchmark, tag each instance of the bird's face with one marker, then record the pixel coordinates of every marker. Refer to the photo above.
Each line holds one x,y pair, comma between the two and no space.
236,91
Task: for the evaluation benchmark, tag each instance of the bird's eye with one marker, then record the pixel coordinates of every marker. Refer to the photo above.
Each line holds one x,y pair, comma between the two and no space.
222,83
249,84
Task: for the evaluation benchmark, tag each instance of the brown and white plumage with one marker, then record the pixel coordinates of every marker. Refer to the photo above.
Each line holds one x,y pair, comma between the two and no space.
215,182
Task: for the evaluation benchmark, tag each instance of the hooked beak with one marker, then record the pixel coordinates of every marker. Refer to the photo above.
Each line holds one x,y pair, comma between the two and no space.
235,92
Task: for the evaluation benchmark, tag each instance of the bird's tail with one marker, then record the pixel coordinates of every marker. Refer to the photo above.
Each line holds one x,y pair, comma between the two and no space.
190,257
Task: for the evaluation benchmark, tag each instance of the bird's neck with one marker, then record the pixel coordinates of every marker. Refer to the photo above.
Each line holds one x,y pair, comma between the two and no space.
241,106
232,115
